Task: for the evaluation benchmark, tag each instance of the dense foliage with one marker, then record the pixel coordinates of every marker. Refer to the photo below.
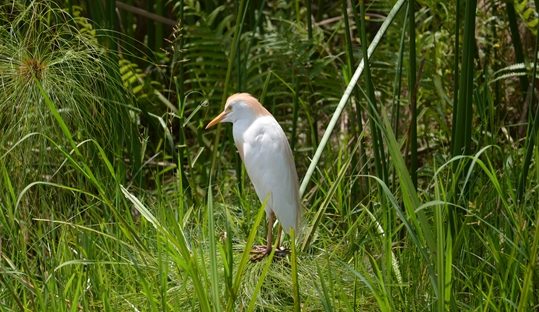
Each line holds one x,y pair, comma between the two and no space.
115,198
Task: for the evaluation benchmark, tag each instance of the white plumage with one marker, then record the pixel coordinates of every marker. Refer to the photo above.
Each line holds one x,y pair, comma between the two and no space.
268,159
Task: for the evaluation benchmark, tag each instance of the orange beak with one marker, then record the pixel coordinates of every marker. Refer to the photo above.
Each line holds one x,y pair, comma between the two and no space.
217,119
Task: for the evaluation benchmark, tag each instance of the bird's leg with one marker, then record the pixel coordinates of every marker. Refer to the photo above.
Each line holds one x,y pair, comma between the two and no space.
279,234
262,251
269,237
279,250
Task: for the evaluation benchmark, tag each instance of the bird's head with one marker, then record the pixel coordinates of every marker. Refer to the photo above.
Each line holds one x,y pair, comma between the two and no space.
239,106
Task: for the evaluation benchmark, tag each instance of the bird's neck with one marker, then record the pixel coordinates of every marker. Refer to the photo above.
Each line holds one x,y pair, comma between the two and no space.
240,128
242,125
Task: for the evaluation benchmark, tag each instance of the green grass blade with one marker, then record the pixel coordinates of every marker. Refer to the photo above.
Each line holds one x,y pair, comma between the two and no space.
462,137
346,95
412,91
378,146
242,6
517,43
214,277
265,270
533,127
244,261
529,286
295,282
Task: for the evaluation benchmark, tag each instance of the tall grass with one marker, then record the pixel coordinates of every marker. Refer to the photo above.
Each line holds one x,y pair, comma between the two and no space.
462,116
412,89
46,51
88,223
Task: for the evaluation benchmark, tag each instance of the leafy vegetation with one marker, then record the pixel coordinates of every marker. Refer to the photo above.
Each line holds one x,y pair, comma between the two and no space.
419,167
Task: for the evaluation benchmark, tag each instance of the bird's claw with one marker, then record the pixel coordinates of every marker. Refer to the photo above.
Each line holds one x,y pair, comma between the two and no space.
259,252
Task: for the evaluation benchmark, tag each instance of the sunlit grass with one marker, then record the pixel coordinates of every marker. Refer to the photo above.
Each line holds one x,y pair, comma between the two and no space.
78,233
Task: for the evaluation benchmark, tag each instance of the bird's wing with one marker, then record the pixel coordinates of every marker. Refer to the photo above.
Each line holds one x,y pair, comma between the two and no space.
270,166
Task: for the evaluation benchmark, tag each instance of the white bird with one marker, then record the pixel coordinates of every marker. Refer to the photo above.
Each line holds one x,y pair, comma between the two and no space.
268,159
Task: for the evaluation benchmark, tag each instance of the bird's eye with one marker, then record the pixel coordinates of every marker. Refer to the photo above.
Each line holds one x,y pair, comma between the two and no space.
228,108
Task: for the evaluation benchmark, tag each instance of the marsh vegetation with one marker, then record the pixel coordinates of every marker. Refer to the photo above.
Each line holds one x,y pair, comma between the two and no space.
419,167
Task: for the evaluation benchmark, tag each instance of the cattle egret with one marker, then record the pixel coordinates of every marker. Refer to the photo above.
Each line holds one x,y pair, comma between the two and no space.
269,162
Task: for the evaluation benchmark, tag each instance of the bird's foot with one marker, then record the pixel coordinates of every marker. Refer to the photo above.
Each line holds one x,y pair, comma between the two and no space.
259,252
